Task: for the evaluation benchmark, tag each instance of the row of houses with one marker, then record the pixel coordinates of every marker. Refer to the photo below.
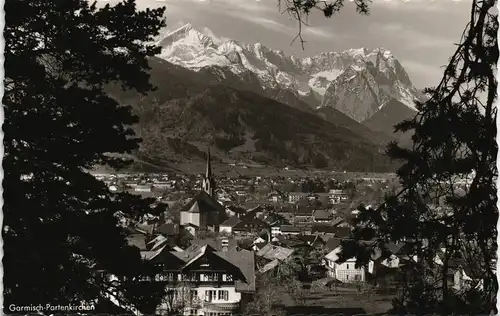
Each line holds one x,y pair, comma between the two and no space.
217,277
331,197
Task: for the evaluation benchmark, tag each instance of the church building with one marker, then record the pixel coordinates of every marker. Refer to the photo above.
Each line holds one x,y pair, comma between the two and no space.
203,212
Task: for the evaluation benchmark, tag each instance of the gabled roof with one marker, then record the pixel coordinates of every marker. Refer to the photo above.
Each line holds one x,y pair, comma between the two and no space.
137,240
157,242
168,229
201,203
322,215
215,243
149,255
394,248
389,249
257,208
340,232
231,222
242,260
323,229
269,266
202,251
255,222
272,252
145,228
304,211
334,255
245,261
337,221
290,228
307,238
237,209
333,243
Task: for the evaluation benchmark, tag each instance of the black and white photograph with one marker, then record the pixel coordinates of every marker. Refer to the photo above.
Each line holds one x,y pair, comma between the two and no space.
250,157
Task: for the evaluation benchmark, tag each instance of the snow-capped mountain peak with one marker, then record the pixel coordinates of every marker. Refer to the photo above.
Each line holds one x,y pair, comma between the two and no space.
188,35
361,78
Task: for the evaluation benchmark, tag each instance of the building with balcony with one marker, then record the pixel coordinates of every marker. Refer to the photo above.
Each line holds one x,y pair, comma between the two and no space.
204,282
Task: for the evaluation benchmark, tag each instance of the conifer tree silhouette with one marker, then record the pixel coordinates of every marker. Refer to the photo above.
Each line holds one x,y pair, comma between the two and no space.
436,214
60,233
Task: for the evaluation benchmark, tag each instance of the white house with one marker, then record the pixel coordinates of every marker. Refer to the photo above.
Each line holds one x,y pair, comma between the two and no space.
275,230
143,188
227,226
346,271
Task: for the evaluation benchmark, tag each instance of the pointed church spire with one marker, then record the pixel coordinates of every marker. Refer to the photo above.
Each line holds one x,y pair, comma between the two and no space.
208,173
208,183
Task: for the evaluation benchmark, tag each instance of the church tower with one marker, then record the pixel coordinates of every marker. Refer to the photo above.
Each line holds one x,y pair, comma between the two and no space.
208,184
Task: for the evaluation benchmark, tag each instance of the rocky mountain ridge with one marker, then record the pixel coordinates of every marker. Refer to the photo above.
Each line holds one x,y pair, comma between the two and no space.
192,110
357,82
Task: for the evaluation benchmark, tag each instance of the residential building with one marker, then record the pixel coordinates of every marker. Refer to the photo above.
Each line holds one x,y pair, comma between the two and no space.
303,215
250,226
168,229
143,188
337,196
337,231
254,212
272,252
235,211
290,230
274,197
271,255
204,282
229,224
275,230
217,243
345,272
294,197
322,216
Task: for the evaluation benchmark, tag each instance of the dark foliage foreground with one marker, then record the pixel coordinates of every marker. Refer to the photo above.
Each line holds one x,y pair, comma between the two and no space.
435,214
60,233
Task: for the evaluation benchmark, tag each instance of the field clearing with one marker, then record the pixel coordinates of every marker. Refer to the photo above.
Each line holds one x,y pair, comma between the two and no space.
344,300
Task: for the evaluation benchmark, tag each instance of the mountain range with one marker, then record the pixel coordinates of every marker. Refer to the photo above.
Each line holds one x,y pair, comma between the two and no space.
252,103
357,82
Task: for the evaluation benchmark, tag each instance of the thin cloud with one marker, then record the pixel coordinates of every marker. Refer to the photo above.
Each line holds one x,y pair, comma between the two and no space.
318,32
216,39
267,23
423,5
412,39
307,31
244,6
421,33
422,71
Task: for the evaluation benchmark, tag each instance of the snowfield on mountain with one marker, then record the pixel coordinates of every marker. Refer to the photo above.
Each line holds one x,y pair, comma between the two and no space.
357,82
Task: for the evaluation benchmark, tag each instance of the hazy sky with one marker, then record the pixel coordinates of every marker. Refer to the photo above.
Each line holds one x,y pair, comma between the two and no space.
420,33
